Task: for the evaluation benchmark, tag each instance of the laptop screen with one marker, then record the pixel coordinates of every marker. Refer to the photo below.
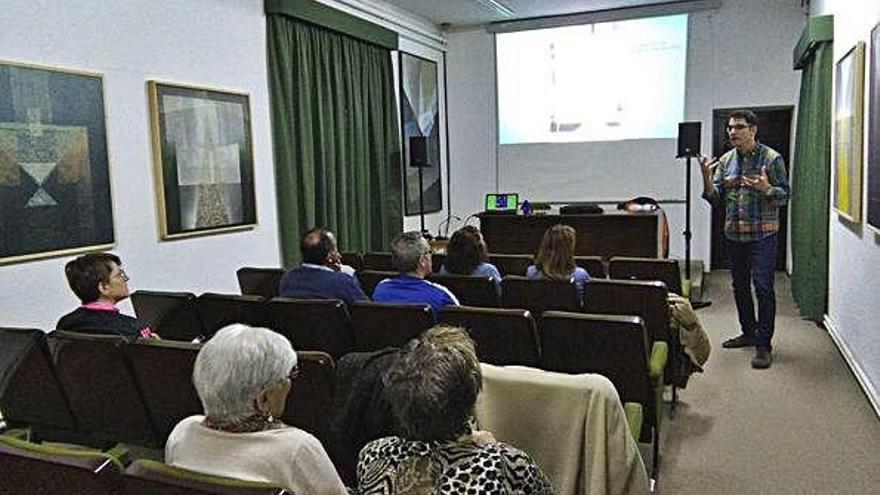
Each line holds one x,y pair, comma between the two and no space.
502,202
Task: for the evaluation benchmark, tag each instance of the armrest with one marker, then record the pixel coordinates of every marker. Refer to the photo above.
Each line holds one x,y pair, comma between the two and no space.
633,411
657,362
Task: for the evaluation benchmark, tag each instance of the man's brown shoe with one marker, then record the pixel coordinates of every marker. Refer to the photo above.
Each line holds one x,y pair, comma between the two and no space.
762,359
741,340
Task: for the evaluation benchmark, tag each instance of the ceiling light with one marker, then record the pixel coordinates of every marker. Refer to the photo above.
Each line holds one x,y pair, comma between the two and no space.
497,7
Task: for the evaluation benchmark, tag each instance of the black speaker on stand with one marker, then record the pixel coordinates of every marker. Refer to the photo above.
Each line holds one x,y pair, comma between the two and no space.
689,147
418,157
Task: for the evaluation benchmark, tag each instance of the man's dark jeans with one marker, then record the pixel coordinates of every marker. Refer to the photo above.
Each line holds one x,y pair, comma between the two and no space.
754,262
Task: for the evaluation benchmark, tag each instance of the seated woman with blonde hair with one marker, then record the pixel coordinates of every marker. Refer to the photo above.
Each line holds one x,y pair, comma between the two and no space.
242,376
555,258
432,388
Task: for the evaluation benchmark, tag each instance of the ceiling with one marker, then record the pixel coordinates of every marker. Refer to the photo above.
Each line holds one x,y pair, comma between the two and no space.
457,13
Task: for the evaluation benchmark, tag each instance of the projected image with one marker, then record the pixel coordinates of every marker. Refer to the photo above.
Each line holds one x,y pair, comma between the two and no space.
593,82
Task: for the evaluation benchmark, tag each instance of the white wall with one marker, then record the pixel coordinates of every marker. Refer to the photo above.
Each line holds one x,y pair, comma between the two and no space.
854,250
215,43
738,55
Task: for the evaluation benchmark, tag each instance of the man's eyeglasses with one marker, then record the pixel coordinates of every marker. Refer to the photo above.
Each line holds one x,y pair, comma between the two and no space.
121,274
737,127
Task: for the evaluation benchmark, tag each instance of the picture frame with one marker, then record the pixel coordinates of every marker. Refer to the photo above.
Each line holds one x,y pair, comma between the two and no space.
420,116
55,195
848,133
203,160
872,215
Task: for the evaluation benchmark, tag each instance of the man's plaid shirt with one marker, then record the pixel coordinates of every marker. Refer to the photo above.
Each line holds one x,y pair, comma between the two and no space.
750,215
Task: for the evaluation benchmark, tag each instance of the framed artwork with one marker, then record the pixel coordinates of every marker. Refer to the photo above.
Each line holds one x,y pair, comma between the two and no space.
872,216
203,157
55,195
420,116
848,114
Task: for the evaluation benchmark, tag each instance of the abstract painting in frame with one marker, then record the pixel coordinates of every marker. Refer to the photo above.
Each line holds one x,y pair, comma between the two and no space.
55,195
420,116
872,216
848,126
203,157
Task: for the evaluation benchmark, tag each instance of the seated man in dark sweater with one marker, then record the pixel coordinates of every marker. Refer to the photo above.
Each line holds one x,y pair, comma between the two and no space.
319,276
100,282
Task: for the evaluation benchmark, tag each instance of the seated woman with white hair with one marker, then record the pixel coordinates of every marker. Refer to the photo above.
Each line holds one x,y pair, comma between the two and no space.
242,376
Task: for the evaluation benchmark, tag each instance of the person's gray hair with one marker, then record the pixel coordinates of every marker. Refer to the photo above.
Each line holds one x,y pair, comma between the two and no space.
433,385
406,249
237,363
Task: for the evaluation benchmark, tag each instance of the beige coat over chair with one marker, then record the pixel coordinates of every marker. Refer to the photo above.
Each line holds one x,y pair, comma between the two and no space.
573,426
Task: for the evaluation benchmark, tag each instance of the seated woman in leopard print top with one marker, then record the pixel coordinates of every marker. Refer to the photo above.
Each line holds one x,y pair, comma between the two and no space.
432,388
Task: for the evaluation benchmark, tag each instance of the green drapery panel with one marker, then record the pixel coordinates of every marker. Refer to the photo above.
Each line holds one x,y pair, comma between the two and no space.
336,136
811,171
322,15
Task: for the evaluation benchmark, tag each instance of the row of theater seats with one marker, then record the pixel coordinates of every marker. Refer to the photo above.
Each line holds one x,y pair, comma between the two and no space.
330,326
264,281
628,342
98,390
41,468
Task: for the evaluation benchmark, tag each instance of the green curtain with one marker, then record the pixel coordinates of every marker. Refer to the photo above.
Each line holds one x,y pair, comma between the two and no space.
336,137
811,175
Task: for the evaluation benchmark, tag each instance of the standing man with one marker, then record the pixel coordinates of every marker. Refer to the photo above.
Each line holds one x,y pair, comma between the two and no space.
750,183
321,275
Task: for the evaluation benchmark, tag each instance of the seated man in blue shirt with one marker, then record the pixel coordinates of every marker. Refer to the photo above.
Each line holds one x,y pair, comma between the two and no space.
411,256
319,276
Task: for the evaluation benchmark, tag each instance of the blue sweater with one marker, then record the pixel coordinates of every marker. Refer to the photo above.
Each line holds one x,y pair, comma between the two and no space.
408,289
316,282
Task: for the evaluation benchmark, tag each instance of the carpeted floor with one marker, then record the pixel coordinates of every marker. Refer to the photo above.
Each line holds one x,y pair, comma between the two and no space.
802,427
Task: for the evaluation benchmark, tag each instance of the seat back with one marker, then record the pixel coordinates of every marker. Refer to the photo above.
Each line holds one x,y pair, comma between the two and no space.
511,264
470,291
573,427
219,310
172,315
314,324
103,395
163,372
38,468
613,346
539,295
631,297
502,336
369,279
146,477
379,325
378,261
30,394
664,270
594,265
310,401
353,259
261,282
437,261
